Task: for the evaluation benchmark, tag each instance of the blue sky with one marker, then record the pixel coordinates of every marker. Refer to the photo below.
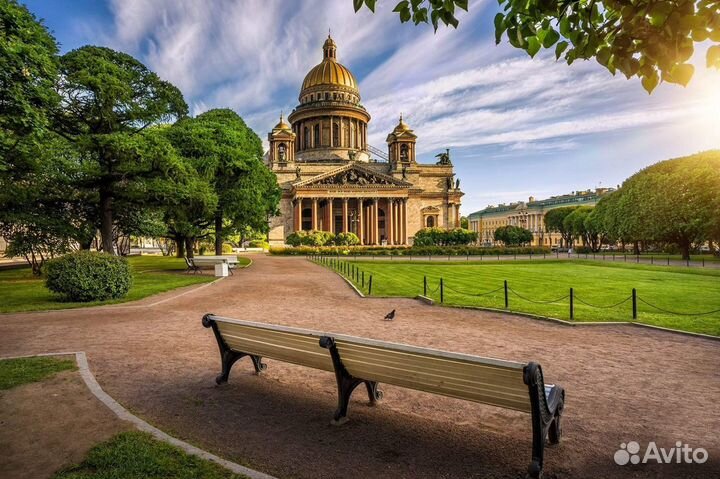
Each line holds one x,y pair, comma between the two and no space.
516,126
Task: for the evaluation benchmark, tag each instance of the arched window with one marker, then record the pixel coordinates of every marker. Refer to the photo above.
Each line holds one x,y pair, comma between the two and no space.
281,152
316,134
404,153
306,138
327,95
430,221
336,134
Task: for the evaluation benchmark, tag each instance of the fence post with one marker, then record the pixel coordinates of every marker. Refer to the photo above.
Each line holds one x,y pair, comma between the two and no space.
442,291
668,260
625,260
425,286
363,279
652,259
506,294
703,262
637,259
634,303
370,286
572,306
688,262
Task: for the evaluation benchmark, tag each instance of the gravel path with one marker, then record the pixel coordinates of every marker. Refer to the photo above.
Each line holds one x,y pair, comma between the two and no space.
623,384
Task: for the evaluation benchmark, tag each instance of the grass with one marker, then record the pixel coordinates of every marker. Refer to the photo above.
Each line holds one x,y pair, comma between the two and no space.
14,372
678,289
134,455
21,291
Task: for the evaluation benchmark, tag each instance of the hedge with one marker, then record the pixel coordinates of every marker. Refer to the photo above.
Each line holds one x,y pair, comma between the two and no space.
407,251
88,276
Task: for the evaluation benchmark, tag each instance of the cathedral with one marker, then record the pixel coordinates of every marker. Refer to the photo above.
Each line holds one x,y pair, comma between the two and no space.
333,180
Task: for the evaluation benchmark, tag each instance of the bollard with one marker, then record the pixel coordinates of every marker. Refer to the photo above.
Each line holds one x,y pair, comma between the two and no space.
442,291
572,306
425,286
506,295
634,303
370,286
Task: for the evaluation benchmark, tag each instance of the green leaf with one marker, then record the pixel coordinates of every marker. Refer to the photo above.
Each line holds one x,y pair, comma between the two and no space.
551,37
405,15
650,82
533,46
401,6
357,4
603,56
565,27
371,5
682,73
713,56
462,4
500,27
560,48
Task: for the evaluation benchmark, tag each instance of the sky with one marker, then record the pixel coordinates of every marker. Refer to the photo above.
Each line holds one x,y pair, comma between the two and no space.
515,126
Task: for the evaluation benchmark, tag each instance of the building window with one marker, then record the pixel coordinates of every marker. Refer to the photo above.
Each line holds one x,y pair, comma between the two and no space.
336,135
281,152
404,153
306,138
430,221
316,134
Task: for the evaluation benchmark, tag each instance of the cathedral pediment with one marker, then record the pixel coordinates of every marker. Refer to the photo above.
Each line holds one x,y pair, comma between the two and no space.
352,175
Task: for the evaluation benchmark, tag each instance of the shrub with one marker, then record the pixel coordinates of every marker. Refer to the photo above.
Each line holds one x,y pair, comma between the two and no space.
444,237
346,239
88,276
259,244
227,248
311,238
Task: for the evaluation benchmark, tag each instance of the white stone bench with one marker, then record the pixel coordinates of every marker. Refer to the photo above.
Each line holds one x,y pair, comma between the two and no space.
355,361
230,262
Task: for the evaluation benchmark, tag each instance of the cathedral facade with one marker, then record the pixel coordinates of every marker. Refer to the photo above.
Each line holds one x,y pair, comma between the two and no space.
332,180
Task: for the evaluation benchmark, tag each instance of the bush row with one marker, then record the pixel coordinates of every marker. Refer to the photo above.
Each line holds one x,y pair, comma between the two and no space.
407,251
321,238
444,237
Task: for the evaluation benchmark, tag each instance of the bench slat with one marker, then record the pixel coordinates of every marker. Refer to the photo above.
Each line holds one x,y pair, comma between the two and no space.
302,349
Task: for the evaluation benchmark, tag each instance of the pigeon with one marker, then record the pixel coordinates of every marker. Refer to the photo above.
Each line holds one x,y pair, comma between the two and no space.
390,316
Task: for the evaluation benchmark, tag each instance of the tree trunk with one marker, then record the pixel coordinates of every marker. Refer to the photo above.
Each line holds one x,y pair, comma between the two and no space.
189,247
685,249
180,243
106,221
85,244
636,248
218,233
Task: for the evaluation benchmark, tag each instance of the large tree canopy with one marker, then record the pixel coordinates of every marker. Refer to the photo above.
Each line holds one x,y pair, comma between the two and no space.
511,235
227,153
650,39
674,201
108,100
554,221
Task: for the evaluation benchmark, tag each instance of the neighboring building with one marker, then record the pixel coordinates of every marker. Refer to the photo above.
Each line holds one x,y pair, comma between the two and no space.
332,180
529,215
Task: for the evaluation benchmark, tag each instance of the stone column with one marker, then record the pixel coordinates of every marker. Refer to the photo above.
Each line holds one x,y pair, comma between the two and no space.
345,215
314,214
376,221
390,221
361,227
298,214
403,221
331,221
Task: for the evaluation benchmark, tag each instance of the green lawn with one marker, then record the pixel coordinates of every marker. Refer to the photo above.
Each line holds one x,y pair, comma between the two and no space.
132,455
674,289
14,372
21,291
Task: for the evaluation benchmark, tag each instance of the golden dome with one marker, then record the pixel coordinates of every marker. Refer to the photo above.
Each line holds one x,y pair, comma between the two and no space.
401,126
282,125
329,72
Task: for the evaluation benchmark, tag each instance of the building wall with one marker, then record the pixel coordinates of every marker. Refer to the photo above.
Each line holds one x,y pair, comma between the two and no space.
529,215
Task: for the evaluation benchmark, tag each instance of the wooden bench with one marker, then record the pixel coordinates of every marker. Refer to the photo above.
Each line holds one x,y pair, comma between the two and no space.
356,361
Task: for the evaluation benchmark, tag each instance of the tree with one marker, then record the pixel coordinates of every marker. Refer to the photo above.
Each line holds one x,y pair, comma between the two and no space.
108,102
673,201
464,222
650,39
510,235
554,223
227,153
28,68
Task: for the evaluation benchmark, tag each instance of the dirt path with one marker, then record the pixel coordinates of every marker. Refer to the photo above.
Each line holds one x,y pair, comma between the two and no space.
622,383
50,424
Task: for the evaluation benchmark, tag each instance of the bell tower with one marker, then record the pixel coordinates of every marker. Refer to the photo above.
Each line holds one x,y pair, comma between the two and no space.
282,145
401,146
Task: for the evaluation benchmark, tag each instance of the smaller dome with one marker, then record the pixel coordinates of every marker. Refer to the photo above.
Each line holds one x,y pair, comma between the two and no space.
401,126
282,125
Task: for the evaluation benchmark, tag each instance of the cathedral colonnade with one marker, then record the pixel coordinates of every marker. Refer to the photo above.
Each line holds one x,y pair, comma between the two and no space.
375,220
